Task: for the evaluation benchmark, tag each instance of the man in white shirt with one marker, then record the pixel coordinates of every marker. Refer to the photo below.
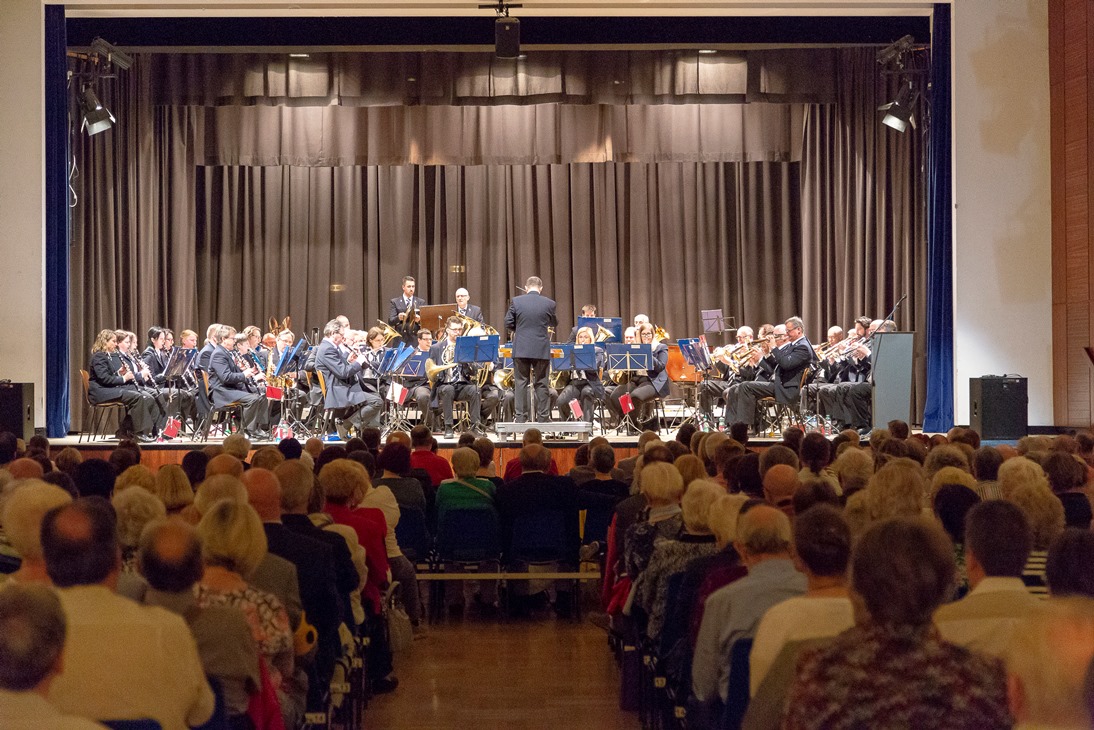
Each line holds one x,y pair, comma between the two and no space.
998,539
123,661
32,636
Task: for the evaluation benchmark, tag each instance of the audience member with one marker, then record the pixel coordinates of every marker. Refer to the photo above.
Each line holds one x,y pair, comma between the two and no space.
1067,476
778,454
1020,471
898,489
985,467
951,503
1047,662
1069,569
134,508
23,511
224,464
662,487
813,492
394,465
746,477
733,612
122,660
899,429
173,488
136,476
170,560
997,544
422,456
32,639
487,468
95,478
513,468
691,468
535,492
290,448
195,464
25,468
892,669
780,484
267,458
123,457
627,466
941,456
1046,519
237,445
62,480
9,448
314,446
67,460
469,491
822,551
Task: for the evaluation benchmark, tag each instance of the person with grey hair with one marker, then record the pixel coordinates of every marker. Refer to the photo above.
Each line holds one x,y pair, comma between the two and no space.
465,308
229,382
785,364
734,612
529,318
121,659
344,391
32,638
23,510
170,561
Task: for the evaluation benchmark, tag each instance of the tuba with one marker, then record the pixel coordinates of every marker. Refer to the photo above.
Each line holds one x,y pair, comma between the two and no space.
603,334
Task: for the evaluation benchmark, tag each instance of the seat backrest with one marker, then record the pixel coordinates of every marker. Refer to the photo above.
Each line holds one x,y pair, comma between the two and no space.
470,535
412,533
597,520
322,383
737,697
85,377
539,536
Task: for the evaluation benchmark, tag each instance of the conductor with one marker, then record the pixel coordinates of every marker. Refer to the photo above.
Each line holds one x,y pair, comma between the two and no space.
528,318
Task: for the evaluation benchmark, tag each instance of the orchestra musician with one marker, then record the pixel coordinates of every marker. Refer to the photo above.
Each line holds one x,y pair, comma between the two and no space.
372,354
465,308
640,319
857,399
456,381
843,364
109,383
400,305
587,310
201,362
713,389
584,385
359,408
630,336
645,386
231,379
142,376
529,318
156,357
188,339
254,342
418,389
786,362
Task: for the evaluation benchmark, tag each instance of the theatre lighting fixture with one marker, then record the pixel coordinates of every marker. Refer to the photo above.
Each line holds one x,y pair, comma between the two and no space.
111,53
894,53
96,117
899,114
506,29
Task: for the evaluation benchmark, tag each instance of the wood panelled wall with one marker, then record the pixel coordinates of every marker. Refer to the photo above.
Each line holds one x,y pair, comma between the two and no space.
1071,61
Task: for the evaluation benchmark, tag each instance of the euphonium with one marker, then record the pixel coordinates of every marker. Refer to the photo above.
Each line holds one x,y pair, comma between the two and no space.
503,378
390,333
603,334
660,334
447,363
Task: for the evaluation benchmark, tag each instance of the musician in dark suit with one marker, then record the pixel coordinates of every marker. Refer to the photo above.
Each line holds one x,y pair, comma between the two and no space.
584,385
455,383
201,362
791,356
230,379
587,310
858,398
715,387
106,384
645,386
529,317
180,395
344,390
465,307
397,311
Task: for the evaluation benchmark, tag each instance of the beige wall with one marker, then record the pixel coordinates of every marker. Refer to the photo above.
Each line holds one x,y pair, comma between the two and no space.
1002,216
22,207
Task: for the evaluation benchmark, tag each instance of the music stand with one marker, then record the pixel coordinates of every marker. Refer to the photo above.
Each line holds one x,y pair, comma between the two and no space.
583,357
435,315
477,348
288,357
413,366
615,324
629,358
561,356
714,322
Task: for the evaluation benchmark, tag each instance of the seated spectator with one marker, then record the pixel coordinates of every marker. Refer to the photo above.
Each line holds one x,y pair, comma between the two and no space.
32,638
778,454
746,477
822,551
95,478
1045,514
985,467
997,545
892,669
673,555
313,446
124,456
194,464
24,509
136,476
290,448
710,445
422,456
487,468
134,508
394,466
816,456
513,467
793,437
780,484
662,486
604,480
467,491
233,543
170,561
237,445
1069,569
67,460
268,457
536,490
1020,471
25,468
945,455
122,660
853,468
1047,662
899,429
627,466
691,468
725,454
173,488
734,612
813,492
953,497
898,489
1067,478
224,464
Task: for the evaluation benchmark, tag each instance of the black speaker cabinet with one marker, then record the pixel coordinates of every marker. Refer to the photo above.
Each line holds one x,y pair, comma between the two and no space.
999,407
507,37
17,409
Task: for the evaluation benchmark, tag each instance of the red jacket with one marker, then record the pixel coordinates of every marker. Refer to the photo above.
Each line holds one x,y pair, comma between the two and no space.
513,469
371,528
437,466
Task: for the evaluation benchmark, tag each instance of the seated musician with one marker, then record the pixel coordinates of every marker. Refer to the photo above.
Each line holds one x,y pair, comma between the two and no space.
341,369
292,380
142,376
254,342
231,380
372,354
180,394
726,373
857,400
646,386
418,390
109,382
790,357
456,381
587,310
837,367
749,371
584,385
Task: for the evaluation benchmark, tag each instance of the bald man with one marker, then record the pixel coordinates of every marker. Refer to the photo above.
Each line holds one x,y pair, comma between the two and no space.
780,483
464,306
224,464
314,563
734,611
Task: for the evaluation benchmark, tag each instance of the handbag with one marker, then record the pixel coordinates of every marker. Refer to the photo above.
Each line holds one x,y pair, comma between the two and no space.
400,632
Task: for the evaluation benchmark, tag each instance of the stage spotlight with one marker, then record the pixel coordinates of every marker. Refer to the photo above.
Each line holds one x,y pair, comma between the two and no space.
895,51
96,117
108,51
898,113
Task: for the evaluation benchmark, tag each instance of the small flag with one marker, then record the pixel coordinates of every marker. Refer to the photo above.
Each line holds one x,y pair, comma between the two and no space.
273,393
171,428
396,393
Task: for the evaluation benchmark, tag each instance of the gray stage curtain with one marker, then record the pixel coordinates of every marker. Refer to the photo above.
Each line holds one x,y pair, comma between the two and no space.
863,210
159,237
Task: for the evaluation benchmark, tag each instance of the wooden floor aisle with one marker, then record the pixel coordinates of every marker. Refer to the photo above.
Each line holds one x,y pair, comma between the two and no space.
516,674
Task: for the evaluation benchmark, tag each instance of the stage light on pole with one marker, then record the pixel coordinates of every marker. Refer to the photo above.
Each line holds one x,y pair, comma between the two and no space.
899,114
96,117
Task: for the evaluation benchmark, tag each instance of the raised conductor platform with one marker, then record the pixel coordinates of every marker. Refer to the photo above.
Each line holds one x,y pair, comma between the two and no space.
581,430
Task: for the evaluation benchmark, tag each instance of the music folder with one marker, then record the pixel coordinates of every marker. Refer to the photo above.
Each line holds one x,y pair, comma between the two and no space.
583,357
181,359
414,366
289,356
477,348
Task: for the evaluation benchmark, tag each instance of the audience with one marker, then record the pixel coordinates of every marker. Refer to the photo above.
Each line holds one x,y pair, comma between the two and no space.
1067,477
173,488
1069,568
23,511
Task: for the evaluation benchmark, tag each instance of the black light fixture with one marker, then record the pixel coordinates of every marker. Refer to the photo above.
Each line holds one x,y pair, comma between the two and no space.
96,117
111,53
899,114
506,29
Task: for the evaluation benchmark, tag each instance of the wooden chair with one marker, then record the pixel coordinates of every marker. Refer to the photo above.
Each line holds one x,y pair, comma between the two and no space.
97,411
330,419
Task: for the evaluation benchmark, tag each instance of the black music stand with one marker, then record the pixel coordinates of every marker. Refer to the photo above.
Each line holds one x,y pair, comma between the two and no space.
632,359
715,323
